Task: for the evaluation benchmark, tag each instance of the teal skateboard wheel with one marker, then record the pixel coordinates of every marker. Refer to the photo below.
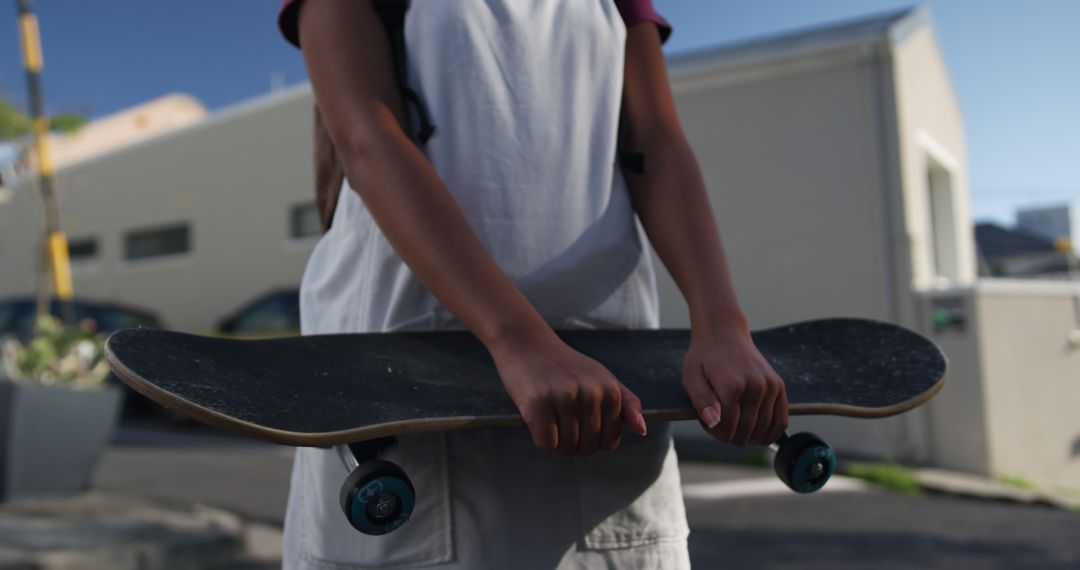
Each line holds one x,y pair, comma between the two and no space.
804,462
377,497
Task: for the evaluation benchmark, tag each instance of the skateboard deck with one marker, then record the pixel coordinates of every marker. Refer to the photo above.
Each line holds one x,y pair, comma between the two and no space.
338,389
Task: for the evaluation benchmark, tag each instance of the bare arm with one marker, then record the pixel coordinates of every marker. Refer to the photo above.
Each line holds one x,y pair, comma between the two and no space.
570,403
348,59
723,372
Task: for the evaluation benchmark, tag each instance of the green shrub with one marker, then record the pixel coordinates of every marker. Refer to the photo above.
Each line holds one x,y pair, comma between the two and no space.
58,355
887,474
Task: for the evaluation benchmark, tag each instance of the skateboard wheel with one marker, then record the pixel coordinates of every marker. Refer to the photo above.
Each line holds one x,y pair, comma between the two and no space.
377,497
804,462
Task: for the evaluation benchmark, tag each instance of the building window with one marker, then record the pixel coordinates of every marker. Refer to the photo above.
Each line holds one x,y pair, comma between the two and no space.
944,241
157,242
82,249
304,221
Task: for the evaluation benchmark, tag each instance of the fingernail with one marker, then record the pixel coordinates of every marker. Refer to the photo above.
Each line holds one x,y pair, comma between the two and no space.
644,427
711,417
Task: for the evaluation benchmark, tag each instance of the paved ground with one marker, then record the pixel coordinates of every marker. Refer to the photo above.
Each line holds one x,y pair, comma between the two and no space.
740,516
880,530
183,465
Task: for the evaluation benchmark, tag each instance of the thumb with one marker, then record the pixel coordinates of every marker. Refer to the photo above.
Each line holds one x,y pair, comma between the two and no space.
703,398
631,412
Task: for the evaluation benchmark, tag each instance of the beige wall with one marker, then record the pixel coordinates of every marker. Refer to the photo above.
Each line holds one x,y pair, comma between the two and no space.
931,129
1031,379
957,419
789,154
817,168
233,178
1010,407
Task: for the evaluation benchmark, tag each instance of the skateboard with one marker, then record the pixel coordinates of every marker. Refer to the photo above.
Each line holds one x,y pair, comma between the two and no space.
358,391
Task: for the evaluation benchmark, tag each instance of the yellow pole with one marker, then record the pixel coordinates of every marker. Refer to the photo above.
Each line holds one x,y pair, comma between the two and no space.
55,241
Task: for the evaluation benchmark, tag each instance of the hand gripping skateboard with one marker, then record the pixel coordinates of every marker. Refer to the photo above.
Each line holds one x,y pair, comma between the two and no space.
358,391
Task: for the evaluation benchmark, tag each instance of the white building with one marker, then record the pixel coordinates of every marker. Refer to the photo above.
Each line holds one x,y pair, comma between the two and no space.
190,223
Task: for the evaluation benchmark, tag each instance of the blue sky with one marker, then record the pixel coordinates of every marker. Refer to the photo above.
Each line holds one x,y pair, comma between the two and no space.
1013,64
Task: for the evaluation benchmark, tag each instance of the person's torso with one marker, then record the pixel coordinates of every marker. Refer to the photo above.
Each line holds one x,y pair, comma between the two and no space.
525,98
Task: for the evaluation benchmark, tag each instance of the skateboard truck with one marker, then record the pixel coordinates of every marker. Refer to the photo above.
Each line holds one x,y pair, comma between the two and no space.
804,462
377,497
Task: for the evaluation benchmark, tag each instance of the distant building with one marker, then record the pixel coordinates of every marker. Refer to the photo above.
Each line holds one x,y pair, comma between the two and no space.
1053,222
1020,253
184,213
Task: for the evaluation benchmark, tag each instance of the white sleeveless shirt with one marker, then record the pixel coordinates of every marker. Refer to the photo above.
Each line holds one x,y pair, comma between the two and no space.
525,97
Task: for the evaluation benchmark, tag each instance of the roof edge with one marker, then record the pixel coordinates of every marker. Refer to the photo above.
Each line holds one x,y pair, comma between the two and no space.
889,27
213,118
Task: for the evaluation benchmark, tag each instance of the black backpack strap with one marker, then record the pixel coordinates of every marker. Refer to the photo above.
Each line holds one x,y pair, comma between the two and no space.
629,160
392,13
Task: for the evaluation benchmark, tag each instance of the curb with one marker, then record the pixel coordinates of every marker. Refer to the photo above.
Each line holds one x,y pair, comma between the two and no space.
939,481
973,486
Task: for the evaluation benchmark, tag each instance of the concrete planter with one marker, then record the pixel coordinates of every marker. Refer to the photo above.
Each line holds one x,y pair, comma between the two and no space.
51,437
